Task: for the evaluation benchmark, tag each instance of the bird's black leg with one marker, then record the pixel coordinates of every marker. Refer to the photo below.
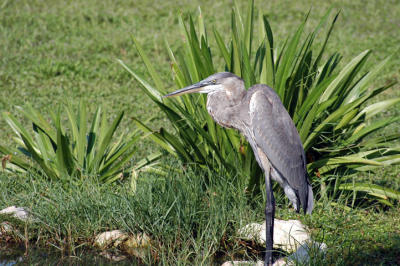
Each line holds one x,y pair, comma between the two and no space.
269,218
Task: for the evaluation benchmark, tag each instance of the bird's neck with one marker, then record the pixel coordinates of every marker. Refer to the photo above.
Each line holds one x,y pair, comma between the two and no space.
223,110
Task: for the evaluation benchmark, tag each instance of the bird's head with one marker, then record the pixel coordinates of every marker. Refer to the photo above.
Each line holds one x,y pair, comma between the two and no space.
223,82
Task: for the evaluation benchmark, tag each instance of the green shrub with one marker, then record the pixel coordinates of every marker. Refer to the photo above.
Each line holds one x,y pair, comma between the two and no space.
330,106
82,153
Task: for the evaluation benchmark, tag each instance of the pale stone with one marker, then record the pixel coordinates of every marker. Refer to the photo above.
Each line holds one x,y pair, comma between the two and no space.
291,236
16,212
107,238
288,235
136,245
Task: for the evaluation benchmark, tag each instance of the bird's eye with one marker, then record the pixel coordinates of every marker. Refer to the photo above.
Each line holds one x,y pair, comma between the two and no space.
213,81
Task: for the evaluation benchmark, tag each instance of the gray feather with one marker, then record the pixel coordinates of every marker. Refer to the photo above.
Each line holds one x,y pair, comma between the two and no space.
276,135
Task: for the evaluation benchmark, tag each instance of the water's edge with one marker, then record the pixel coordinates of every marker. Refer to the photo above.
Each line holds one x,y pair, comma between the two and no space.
12,254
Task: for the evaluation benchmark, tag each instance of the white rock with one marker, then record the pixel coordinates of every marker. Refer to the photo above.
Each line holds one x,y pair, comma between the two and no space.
134,245
107,238
301,256
291,236
16,212
288,235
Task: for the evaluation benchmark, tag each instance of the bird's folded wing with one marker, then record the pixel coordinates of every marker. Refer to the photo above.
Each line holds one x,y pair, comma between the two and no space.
276,135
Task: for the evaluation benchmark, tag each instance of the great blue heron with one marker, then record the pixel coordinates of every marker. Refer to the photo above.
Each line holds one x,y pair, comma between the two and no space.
260,116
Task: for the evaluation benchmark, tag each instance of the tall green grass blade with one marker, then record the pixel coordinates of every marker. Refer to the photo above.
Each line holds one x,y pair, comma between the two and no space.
156,78
372,189
38,120
189,58
175,142
306,125
362,85
247,71
146,161
106,140
376,108
73,121
149,90
345,73
82,141
371,128
248,28
63,153
18,129
119,152
44,149
328,34
261,30
92,138
284,70
195,52
202,27
267,73
156,137
331,119
37,158
238,21
223,49
346,119
179,76
235,54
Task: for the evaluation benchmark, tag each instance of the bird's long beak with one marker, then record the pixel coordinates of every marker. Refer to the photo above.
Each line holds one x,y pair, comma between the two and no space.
197,87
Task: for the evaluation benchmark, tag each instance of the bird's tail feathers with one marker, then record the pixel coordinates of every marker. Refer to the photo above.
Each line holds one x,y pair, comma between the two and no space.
306,199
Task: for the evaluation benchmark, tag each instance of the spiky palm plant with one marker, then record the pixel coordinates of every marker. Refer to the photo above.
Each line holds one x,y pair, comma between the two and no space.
330,106
81,153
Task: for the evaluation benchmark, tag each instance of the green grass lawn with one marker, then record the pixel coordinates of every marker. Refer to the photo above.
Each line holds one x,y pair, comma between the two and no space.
56,51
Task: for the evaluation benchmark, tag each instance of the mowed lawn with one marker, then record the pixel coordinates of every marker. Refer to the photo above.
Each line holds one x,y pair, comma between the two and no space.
53,52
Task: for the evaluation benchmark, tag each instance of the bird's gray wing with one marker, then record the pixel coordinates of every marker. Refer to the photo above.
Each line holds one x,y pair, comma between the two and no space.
276,135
